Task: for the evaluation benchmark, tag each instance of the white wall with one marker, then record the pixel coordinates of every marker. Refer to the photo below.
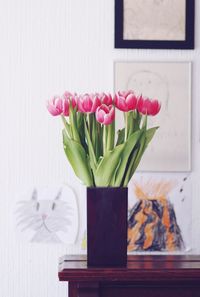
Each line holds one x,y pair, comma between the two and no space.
48,46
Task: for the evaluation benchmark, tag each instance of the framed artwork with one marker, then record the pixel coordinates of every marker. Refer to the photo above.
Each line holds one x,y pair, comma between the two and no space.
160,213
170,83
154,24
47,214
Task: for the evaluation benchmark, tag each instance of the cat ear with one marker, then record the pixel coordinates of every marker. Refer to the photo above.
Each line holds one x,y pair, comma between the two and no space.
34,195
58,195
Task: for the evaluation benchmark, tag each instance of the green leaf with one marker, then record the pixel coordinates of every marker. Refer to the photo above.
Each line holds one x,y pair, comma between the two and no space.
73,122
149,135
129,146
92,157
130,116
121,136
144,141
107,166
80,126
77,157
130,170
66,125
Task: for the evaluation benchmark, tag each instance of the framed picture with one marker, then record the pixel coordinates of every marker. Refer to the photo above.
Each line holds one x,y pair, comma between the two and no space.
170,83
154,24
151,197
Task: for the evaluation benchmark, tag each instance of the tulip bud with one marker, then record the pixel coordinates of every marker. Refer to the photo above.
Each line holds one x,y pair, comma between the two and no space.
67,99
147,106
55,106
88,103
105,114
106,99
125,101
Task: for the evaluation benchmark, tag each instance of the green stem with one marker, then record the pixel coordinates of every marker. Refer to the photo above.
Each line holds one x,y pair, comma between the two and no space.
110,136
99,140
126,126
73,124
104,139
66,125
144,124
130,117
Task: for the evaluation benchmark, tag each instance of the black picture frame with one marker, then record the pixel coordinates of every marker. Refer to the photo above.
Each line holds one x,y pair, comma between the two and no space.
186,44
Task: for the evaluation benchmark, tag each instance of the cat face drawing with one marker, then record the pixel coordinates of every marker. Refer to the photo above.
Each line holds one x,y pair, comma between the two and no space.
49,216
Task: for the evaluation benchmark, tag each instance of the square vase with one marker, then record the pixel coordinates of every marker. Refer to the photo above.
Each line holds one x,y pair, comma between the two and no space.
107,227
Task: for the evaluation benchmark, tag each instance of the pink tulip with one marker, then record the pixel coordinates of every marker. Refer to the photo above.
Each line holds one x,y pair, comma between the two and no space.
147,106
60,105
71,97
88,103
106,99
125,101
55,106
66,99
105,114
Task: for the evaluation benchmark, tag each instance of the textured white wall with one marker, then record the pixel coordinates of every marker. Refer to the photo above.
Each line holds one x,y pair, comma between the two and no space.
48,46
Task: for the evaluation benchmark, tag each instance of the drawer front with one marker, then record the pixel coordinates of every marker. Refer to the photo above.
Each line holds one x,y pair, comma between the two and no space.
131,291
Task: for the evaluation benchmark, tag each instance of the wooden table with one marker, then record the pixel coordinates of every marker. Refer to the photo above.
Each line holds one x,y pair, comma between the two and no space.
144,276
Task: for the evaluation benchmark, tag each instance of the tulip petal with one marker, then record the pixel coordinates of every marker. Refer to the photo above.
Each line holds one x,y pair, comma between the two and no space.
120,103
155,107
65,107
80,105
53,110
106,99
96,103
100,115
131,102
140,104
87,103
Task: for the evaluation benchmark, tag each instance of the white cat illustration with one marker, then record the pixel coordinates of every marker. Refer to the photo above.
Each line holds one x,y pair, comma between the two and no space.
50,216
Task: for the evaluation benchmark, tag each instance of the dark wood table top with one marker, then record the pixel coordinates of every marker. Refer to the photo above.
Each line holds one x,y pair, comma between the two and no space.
139,268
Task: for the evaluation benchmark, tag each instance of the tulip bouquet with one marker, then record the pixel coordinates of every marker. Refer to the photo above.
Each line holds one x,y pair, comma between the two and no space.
98,156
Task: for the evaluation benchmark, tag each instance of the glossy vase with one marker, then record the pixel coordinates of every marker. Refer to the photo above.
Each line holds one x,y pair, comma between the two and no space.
107,227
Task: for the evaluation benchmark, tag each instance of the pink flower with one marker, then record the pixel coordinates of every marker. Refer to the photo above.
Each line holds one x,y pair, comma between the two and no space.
60,105
125,101
105,114
68,97
147,106
88,103
106,98
55,106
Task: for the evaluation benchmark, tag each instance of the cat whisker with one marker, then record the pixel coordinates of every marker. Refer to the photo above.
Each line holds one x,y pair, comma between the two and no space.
60,217
25,216
57,227
24,208
25,220
62,220
34,228
31,224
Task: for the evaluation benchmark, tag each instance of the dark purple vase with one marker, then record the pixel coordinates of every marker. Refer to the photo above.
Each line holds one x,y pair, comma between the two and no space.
107,227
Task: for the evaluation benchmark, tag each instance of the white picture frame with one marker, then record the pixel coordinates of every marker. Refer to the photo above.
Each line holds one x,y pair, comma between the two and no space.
170,83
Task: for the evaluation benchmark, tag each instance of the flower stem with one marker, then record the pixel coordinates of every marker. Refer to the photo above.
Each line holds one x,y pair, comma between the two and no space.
110,136
66,125
104,139
73,122
126,126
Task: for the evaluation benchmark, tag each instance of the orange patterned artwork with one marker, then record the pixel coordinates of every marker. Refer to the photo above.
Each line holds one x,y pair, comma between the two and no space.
152,222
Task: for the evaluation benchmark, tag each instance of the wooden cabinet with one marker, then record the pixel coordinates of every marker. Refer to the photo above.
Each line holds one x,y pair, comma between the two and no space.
144,276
